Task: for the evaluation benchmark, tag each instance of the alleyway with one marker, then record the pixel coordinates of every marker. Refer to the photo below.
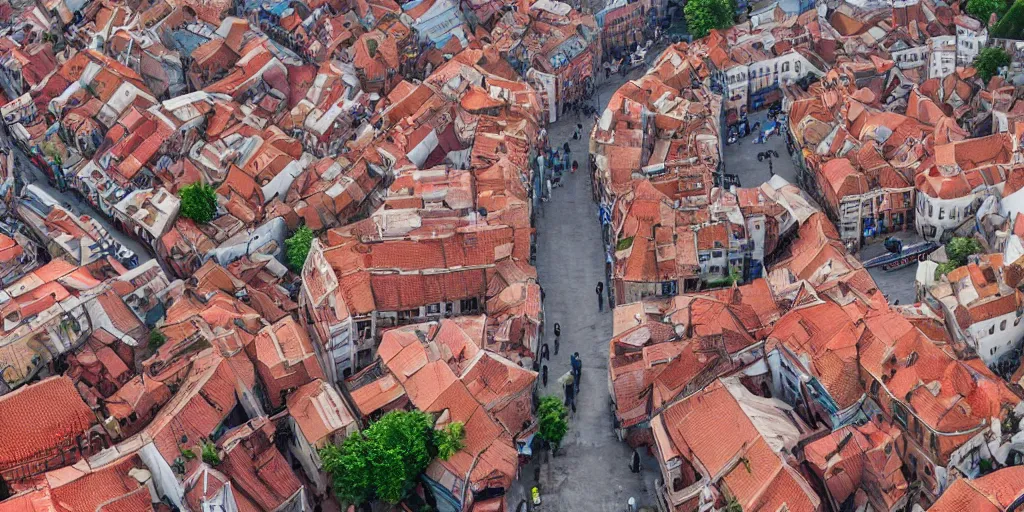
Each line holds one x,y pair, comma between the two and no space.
591,472
31,174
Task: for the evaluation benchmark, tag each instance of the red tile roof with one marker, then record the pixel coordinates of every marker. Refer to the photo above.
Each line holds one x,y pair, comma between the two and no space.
993,492
29,431
320,412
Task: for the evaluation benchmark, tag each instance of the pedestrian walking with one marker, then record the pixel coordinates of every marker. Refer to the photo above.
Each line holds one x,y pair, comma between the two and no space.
600,295
544,375
544,352
558,333
575,165
569,388
577,369
565,147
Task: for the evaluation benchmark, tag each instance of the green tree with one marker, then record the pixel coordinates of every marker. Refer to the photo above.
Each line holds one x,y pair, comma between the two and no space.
959,248
297,247
989,61
551,414
210,455
449,440
156,339
198,202
945,268
383,461
1011,24
983,9
704,15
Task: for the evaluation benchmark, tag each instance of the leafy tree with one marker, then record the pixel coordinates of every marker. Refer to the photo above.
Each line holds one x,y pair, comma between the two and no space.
704,15
983,9
552,417
383,461
450,439
957,251
945,268
989,61
1011,24
959,248
156,339
298,247
210,455
198,202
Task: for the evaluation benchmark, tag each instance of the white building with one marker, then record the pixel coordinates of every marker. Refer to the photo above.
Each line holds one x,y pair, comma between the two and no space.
942,56
981,309
938,217
742,79
907,56
971,37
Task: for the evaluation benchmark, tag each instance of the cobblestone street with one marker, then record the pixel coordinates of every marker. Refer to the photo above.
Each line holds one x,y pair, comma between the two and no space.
590,473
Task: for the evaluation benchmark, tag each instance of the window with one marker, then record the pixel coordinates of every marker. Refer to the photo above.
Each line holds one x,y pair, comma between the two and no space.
931,210
874,388
785,67
797,67
942,213
668,288
363,328
468,305
1002,325
899,413
716,254
1016,322
433,309
992,330
408,314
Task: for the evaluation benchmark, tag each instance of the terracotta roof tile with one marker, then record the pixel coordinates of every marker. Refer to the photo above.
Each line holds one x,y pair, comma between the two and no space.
320,413
30,430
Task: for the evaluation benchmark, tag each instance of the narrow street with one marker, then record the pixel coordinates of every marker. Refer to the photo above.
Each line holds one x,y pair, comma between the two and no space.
590,473
30,174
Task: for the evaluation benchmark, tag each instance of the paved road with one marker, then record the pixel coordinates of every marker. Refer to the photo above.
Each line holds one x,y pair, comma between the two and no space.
897,285
741,158
30,174
590,473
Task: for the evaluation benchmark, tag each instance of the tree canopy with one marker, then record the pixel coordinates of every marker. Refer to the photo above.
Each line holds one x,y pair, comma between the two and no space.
983,9
551,414
957,251
297,247
449,440
383,461
704,15
989,61
1011,24
198,202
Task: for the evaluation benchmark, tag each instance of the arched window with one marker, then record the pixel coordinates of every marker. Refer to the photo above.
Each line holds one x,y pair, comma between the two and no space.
785,67
798,67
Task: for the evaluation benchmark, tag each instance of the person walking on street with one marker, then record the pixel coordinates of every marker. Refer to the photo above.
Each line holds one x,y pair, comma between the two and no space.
558,333
600,295
544,352
577,369
570,391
